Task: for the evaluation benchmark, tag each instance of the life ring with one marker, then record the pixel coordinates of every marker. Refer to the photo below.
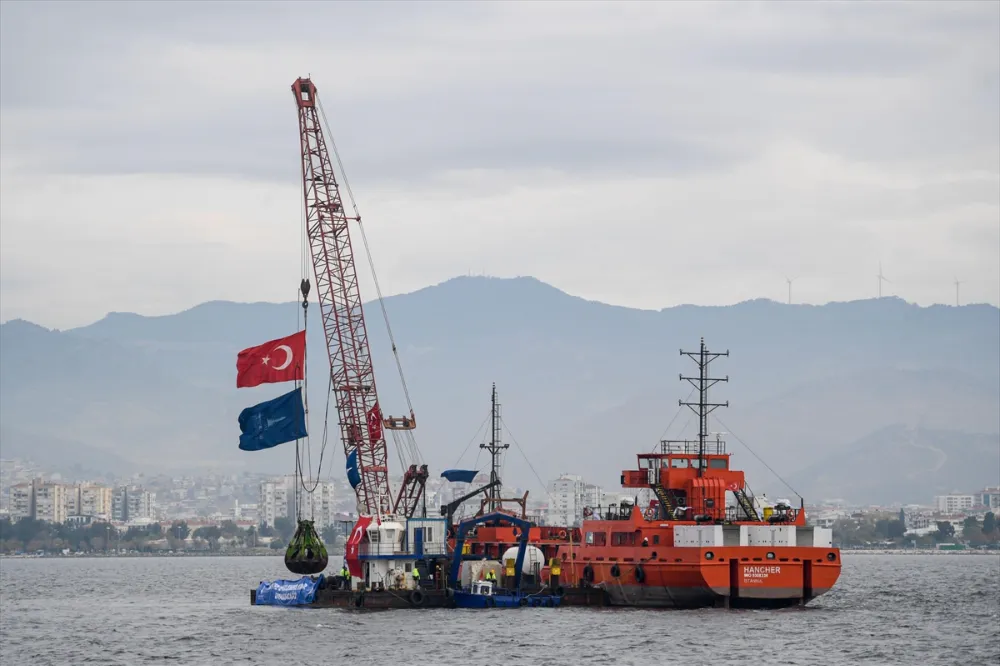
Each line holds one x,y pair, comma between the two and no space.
417,598
640,574
587,512
650,513
615,571
588,573
562,534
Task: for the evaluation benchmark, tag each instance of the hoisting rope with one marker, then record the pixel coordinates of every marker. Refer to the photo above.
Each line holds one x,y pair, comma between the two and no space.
371,265
759,459
665,430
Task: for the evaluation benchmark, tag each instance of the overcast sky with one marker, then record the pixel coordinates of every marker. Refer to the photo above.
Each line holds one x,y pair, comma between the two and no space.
646,154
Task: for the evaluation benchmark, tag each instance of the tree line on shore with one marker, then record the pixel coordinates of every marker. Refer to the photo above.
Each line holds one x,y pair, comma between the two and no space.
884,528
28,535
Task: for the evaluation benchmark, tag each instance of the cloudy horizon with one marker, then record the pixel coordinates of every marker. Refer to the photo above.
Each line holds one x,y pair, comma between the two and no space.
640,154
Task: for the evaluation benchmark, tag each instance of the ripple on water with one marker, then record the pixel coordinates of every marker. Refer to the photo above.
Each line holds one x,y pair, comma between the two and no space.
885,610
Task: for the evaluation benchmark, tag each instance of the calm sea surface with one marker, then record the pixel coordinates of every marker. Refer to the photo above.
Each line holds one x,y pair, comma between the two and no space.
886,609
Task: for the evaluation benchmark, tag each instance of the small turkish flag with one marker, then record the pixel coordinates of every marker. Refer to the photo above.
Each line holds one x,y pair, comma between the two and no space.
279,360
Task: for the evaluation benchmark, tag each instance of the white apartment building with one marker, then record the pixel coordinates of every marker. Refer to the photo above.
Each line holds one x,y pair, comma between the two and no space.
278,496
88,500
50,502
131,504
274,500
951,504
22,497
93,500
568,496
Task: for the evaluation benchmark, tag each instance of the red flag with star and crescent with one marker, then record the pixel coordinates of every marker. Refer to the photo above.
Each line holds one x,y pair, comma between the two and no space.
275,361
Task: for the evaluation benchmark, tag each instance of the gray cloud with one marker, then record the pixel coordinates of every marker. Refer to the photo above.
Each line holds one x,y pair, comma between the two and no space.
837,121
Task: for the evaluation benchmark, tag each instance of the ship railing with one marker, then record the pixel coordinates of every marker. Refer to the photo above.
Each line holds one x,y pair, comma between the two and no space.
621,511
381,548
692,446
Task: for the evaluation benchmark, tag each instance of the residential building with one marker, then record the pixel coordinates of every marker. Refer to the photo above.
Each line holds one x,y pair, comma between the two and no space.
94,501
131,504
989,497
951,504
568,496
275,497
49,502
278,497
22,499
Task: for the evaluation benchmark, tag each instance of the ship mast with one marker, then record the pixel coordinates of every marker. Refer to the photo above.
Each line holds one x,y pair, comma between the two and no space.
702,358
495,447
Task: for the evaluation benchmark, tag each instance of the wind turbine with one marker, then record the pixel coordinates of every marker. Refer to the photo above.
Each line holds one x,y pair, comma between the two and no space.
881,279
790,281
957,282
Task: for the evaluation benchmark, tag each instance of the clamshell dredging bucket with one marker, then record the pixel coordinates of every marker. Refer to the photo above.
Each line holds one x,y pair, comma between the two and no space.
306,554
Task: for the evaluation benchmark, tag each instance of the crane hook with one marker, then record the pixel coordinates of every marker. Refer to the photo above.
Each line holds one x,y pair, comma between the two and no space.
304,288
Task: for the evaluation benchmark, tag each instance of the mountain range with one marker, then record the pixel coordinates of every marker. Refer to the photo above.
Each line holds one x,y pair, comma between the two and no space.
824,395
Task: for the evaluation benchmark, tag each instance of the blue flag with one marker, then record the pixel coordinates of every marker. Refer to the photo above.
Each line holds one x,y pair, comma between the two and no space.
273,422
353,475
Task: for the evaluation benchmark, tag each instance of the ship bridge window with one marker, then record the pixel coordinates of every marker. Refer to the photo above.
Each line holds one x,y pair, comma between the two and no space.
623,538
718,463
679,463
597,539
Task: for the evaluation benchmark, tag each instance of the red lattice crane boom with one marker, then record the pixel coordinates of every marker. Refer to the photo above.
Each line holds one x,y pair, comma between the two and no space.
361,422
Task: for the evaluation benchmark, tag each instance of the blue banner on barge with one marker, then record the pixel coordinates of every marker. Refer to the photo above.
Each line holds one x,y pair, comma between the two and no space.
301,592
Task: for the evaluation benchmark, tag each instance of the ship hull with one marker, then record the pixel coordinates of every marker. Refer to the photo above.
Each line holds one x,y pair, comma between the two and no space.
684,578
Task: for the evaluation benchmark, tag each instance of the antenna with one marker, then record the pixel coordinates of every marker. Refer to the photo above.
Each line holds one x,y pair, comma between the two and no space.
957,283
703,407
495,448
881,279
790,281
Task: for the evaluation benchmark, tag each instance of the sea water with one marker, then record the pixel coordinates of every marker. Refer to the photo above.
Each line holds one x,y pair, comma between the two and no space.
886,609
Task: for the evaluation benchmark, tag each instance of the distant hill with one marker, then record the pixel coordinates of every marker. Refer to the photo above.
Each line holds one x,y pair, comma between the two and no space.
584,385
906,465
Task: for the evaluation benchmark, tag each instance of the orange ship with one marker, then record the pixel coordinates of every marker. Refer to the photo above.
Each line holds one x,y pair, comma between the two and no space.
704,540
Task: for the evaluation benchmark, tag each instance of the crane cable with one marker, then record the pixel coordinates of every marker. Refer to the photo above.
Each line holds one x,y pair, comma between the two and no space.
368,254
303,290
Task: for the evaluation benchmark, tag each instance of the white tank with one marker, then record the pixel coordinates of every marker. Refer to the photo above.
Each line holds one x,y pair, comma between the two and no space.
533,559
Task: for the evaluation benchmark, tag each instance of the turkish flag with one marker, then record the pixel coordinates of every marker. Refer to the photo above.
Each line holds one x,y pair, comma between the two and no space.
279,360
374,424
353,543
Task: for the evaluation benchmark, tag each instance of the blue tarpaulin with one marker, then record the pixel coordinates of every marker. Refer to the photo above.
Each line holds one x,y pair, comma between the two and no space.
288,592
274,422
460,475
353,475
